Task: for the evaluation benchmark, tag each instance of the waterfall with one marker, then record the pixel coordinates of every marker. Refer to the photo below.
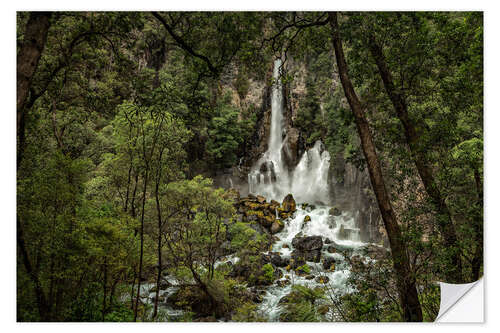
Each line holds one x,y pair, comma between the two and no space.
270,176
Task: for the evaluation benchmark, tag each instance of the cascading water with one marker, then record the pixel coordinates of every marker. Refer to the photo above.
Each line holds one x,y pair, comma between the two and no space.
308,183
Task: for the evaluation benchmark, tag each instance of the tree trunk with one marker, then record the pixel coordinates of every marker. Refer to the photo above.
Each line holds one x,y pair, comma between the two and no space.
477,260
41,300
142,245
158,277
29,54
405,279
445,223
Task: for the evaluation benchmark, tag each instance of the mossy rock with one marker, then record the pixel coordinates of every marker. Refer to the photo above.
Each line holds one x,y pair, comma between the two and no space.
307,219
334,211
277,226
322,279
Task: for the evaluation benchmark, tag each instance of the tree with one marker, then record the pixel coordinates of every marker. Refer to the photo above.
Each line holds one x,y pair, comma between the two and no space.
406,281
195,229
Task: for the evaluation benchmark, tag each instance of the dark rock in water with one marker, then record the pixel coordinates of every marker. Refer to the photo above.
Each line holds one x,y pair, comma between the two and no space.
334,211
285,246
310,277
284,299
327,241
164,284
307,219
328,262
331,249
304,205
279,261
283,282
322,279
307,243
302,256
277,226
251,196
289,204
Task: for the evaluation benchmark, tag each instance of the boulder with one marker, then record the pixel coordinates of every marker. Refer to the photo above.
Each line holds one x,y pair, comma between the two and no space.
331,249
329,263
307,243
310,277
289,204
283,282
307,218
277,226
334,211
300,257
261,199
322,279
279,261
327,241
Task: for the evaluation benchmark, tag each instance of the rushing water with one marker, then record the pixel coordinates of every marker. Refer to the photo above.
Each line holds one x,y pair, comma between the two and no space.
308,183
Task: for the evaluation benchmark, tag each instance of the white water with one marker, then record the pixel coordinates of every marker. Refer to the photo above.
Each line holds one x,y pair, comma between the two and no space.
308,183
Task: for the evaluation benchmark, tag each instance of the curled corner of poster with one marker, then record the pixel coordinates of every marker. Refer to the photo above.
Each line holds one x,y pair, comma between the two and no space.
461,303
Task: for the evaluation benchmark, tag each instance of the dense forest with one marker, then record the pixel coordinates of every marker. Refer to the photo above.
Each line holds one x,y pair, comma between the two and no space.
247,166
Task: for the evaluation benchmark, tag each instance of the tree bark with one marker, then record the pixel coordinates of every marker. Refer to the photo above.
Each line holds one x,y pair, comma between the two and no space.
142,245
29,54
445,224
405,279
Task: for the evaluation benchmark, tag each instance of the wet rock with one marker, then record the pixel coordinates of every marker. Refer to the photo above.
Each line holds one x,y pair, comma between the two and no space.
285,246
261,199
322,279
307,218
307,243
304,205
334,211
279,261
345,233
376,252
327,241
289,204
277,226
273,205
283,282
300,257
329,263
331,249
310,277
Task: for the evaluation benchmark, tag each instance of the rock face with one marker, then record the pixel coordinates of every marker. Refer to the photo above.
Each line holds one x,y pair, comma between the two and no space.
345,233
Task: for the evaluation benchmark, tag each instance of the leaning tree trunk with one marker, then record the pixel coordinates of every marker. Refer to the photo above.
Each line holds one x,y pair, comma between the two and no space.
446,227
405,279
